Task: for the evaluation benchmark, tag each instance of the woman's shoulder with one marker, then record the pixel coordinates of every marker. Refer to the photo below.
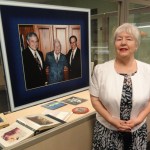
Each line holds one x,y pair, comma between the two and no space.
104,67
107,64
144,66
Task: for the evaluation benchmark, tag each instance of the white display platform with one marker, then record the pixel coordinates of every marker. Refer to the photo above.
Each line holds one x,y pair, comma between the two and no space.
76,134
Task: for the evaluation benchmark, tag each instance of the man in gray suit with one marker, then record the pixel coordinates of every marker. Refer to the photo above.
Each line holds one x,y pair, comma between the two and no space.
56,63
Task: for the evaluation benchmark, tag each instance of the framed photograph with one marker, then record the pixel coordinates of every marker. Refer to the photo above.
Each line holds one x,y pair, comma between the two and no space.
45,51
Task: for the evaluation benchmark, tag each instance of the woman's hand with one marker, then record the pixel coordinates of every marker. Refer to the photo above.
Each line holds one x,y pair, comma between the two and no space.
121,125
133,122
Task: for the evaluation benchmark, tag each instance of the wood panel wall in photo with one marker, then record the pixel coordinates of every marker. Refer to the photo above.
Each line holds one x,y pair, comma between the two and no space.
48,33
23,31
44,33
61,33
75,30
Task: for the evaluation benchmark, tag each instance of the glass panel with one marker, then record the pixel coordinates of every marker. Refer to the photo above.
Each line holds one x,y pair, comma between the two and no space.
140,17
102,28
103,21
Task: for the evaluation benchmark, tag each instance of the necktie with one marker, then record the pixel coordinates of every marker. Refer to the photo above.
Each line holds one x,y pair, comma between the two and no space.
125,109
37,61
57,59
71,58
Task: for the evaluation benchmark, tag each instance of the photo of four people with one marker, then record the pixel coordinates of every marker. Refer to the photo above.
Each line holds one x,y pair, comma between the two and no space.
40,72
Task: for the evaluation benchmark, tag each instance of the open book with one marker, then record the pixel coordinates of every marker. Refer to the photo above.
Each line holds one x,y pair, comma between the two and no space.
63,115
26,127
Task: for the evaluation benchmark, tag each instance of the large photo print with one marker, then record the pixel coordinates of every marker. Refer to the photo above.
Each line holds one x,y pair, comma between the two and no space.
45,51
51,53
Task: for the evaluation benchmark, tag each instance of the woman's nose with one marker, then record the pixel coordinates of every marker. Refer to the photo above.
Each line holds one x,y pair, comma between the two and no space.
123,41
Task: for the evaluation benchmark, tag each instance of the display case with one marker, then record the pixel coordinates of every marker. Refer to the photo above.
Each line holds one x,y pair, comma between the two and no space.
48,22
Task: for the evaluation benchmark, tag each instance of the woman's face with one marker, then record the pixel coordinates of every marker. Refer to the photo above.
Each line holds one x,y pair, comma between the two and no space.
125,45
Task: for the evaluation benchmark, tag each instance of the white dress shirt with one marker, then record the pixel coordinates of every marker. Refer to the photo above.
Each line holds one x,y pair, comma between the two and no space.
73,54
39,57
56,56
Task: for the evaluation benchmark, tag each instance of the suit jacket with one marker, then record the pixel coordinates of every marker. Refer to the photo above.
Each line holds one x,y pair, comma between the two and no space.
34,77
56,69
75,66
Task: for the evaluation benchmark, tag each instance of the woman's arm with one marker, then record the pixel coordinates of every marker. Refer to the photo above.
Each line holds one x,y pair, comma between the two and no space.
99,107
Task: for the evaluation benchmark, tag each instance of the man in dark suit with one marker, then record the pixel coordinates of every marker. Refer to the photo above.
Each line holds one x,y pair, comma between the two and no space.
74,59
33,61
57,63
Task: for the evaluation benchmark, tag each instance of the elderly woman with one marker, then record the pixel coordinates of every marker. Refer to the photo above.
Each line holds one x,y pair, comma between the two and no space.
120,94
